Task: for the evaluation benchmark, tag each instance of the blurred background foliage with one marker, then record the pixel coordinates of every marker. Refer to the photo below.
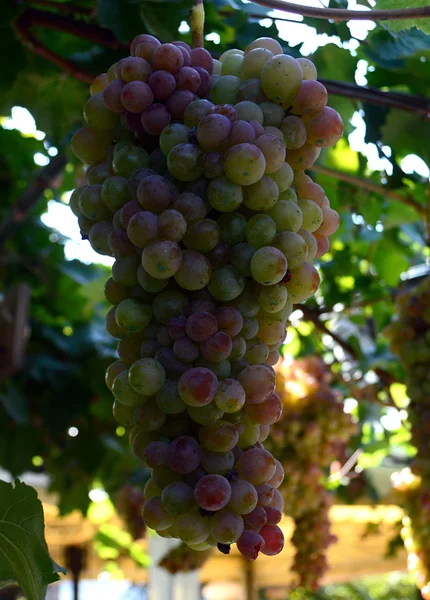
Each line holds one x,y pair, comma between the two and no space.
55,411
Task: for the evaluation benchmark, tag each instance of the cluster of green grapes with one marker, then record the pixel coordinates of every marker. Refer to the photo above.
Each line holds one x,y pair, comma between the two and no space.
409,338
183,559
312,432
196,186
129,501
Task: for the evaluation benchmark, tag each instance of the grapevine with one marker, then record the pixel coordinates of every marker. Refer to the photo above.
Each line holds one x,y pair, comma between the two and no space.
312,432
410,339
196,185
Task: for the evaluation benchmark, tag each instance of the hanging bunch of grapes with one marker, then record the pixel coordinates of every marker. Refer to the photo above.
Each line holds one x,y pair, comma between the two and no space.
196,186
183,559
312,432
409,338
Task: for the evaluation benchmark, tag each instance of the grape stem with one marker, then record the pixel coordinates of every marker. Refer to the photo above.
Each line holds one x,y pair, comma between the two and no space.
370,186
197,21
340,14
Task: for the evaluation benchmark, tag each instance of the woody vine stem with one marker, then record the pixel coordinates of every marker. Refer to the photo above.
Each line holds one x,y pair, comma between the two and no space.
197,22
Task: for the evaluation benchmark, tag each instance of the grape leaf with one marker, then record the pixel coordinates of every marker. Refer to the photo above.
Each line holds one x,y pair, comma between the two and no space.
24,554
423,24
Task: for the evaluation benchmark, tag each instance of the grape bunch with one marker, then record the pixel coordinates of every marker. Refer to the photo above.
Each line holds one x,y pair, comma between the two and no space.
196,185
183,559
409,338
312,432
129,501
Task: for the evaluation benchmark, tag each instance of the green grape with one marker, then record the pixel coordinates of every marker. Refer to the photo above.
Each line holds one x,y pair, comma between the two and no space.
272,113
195,271
226,284
185,162
281,77
224,90
115,193
172,225
91,205
304,282
261,195
168,399
149,417
249,111
133,315
268,266
289,194
239,348
222,436
233,228
147,376
224,195
151,490
230,396
192,528
253,62
260,231
124,393
232,65
203,235
240,258
150,284
273,150
124,270
308,68
97,114
205,415
221,369
293,247
172,135
249,329
169,304
128,160
272,298
162,258
230,52
74,200
90,145
113,370
196,111
251,90
246,303
177,498
251,432
312,215
99,237
155,515
287,216
265,42
311,243
226,527
244,164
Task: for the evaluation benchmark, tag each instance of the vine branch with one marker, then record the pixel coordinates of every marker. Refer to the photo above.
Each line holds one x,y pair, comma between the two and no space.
197,22
370,186
340,14
67,8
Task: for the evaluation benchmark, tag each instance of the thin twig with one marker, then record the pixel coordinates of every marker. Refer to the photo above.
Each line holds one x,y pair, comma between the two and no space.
419,105
21,209
350,463
67,8
370,186
197,22
340,14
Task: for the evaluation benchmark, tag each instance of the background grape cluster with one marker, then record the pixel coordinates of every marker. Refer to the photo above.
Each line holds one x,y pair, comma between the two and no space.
196,186
313,431
410,339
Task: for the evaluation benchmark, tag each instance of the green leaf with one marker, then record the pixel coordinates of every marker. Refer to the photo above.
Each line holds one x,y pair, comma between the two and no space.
23,550
408,133
398,214
390,49
389,262
15,404
120,16
423,24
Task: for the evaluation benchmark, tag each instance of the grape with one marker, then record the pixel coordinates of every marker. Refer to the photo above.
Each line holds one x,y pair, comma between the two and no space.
155,118
205,80
293,246
303,283
135,68
114,192
244,164
258,382
168,399
213,132
201,58
167,57
123,414
201,326
281,77
267,412
128,160
90,203
265,42
203,235
226,527
254,61
268,265
265,494
272,298
256,465
330,222
178,102
99,84
249,329
224,195
278,477
172,225
287,216
323,245
273,539
112,96
312,215
217,348
99,237
192,528
230,52
249,111
233,228
304,157
132,315
229,320
243,498
124,393
197,387
136,96
195,271
222,436
205,415
251,90
150,284
238,348
260,230
218,256
187,78
255,519
124,270
271,331
184,455
147,376
226,284
190,206
162,258
241,132
113,370
310,99
240,258
273,150
232,65
325,128
185,162
272,113
169,304
311,244
97,114
217,462
146,43
261,195
164,475
174,134
212,492
250,544
119,244
155,516
225,89
250,432
149,417
294,132
156,193
196,111
289,194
